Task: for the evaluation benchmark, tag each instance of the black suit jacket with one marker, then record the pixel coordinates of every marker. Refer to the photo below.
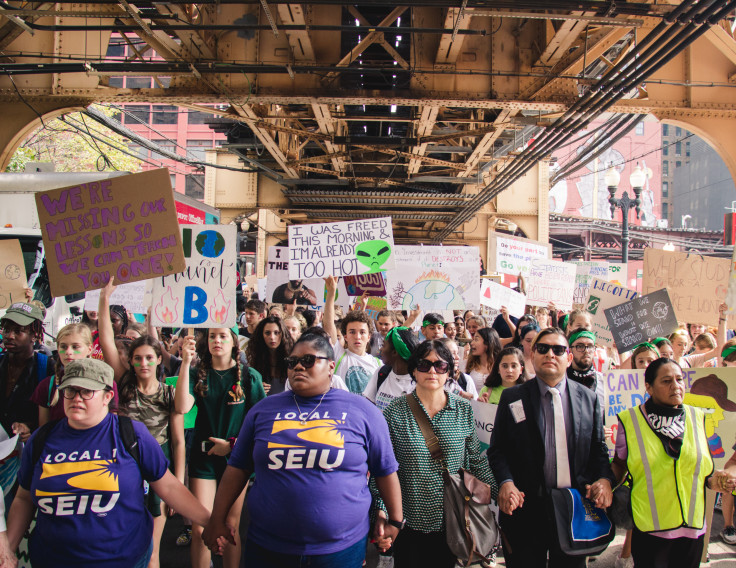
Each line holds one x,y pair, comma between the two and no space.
517,449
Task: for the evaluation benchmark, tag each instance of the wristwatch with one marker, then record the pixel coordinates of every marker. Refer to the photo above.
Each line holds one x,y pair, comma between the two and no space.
398,524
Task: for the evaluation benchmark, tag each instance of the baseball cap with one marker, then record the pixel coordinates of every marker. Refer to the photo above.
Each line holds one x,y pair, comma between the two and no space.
91,374
23,313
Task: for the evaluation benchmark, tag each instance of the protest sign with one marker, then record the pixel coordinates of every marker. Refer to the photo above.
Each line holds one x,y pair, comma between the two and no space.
124,227
435,278
585,271
485,416
370,284
262,287
340,249
495,295
374,306
697,284
731,291
12,273
551,281
203,295
618,273
513,255
601,296
132,296
641,319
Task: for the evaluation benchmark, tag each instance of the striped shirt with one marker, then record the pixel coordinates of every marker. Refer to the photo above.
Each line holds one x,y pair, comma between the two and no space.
419,475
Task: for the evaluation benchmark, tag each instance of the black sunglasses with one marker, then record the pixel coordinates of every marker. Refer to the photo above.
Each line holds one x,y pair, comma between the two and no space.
543,349
424,365
306,361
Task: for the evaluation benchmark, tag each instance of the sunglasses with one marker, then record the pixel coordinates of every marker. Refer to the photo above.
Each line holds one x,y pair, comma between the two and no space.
424,365
543,349
306,361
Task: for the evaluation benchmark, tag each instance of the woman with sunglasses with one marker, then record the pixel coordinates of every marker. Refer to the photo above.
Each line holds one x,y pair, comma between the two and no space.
83,477
311,449
422,541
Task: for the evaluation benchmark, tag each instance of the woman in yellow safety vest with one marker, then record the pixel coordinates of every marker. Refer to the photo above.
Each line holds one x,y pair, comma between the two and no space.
663,445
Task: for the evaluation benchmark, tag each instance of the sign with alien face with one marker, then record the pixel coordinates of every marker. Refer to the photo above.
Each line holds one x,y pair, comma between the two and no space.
340,249
204,294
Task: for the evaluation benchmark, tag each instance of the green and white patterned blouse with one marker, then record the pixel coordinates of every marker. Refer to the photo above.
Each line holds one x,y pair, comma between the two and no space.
421,476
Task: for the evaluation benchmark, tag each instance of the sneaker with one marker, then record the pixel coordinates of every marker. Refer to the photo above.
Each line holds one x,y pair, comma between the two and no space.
185,537
624,562
728,535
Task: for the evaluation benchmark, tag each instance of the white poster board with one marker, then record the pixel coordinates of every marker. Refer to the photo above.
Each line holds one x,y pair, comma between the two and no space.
551,281
601,296
513,255
131,295
435,278
585,271
340,249
495,295
485,416
204,294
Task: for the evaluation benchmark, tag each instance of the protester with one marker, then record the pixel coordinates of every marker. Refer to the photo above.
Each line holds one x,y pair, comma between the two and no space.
581,369
295,325
385,320
393,378
514,340
680,345
422,542
315,514
450,330
224,392
96,517
459,383
702,356
524,458
484,347
505,324
527,335
462,334
473,324
255,311
509,370
266,351
433,327
579,319
664,347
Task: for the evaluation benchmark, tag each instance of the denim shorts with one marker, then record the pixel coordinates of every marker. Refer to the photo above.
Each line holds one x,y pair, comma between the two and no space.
146,558
255,556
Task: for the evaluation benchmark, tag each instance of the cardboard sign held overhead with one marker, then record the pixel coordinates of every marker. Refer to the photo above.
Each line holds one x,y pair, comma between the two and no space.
551,281
124,227
340,249
12,273
601,296
641,319
203,295
370,284
513,255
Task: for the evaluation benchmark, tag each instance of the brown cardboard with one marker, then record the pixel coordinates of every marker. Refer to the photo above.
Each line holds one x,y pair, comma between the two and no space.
13,278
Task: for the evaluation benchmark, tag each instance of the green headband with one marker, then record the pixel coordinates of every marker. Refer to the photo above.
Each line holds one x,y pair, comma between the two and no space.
398,343
582,333
425,323
727,351
659,340
648,345
563,323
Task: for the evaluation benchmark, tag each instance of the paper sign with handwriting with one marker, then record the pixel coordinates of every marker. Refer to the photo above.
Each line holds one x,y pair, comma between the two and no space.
203,295
601,296
495,295
551,281
731,292
369,284
12,273
513,255
124,227
132,296
341,249
585,271
641,319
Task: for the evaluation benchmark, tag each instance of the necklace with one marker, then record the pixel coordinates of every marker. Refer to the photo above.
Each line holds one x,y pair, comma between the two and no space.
222,374
303,421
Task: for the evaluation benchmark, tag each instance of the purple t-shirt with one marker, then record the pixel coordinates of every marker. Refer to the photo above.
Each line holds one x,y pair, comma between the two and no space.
310,494
89,494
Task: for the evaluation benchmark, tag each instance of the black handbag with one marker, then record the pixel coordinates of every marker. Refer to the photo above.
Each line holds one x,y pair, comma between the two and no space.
582,528
620,510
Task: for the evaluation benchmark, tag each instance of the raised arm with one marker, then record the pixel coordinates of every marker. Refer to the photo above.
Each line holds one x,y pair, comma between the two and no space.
413,316
106,333
183,400
328,321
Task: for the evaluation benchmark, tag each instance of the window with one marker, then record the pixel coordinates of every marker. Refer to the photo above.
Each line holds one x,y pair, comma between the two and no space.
678,131
116,48
165,114
666,150
196,148
666,168
665,188
194,186
139,151
687,149
116,82
665,211
678,148
678,163
197,117
169,145
138,82
172,177
665,130
141,112
640,129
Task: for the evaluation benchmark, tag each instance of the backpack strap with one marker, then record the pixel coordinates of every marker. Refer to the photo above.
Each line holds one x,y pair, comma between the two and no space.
425,427
39,440
383,373
51,388
42,361
463,381
129,437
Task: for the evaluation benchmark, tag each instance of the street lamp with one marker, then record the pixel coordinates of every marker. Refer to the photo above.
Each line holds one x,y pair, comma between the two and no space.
637,180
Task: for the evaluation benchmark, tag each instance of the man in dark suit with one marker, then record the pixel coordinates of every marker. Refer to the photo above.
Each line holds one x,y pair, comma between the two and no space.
548,433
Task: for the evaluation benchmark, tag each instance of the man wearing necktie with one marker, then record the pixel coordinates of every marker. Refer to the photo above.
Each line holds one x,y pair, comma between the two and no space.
548,433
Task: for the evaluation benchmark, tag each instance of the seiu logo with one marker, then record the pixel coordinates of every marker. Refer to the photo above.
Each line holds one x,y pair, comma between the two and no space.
78,504
289,450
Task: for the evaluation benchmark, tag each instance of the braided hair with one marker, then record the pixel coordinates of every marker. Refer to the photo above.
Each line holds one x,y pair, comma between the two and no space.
205,364
122,313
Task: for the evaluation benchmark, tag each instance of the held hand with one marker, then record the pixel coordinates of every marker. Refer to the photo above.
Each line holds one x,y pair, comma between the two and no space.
221,447
188,350
109,288
364,299
723,309
510,498
216,534
384,534
23,431
600,493
505,313
29,293
331,286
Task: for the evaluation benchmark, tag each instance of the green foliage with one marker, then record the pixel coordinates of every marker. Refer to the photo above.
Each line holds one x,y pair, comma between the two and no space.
22,156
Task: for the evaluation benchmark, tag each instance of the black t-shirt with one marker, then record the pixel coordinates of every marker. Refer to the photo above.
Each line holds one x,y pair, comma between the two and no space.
18,407
502,328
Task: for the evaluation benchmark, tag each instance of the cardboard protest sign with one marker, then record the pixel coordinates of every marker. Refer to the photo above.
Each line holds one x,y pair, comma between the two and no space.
485,416
513,255
132,296
495,295
641,319
435,278
12,273
124,227
203,295
697,284
370,284
374,306
585,271
601,296
340,249
551,281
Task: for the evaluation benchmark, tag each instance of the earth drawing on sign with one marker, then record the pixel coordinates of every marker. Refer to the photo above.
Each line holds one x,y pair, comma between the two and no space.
433,292
210,244
660,310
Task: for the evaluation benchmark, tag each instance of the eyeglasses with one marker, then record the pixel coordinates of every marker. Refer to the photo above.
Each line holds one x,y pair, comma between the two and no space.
306,361
543,349
584,348
440,366
71,393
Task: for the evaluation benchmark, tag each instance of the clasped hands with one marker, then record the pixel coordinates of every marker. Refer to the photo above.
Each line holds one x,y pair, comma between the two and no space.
722,480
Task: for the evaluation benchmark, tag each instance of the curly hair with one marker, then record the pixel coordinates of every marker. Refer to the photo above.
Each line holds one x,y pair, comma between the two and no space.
258,353
128,385
205,364
359,316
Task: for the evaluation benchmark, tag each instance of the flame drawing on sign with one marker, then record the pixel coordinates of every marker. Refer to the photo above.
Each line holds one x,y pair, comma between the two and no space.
433,275
167,308
219,308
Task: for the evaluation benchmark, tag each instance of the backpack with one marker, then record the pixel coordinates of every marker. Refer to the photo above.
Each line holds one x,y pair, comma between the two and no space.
383,373
125,429
42,361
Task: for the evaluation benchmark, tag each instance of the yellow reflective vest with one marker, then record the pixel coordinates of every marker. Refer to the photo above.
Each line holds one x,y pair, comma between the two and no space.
667,493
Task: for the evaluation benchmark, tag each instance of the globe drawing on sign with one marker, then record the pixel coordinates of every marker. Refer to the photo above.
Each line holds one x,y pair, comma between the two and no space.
660,310
433,292
12,272
210,244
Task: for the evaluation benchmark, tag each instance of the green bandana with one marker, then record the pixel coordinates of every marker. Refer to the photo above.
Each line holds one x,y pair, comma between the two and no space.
658,340
582,333
425,323
648,346
563,323
727,351
398,343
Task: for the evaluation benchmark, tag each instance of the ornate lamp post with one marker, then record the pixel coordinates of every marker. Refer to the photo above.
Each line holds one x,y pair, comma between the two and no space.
637,180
